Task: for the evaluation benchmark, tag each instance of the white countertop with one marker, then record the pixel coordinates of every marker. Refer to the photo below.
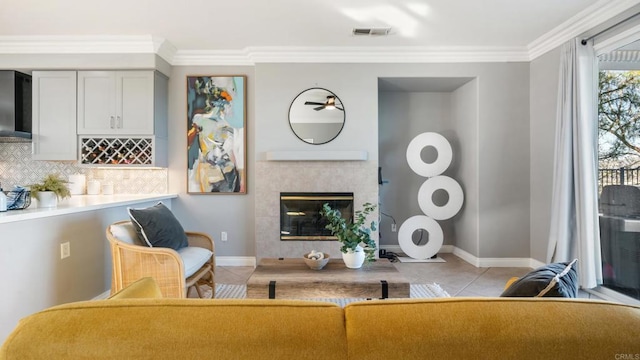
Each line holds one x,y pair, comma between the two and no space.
80,203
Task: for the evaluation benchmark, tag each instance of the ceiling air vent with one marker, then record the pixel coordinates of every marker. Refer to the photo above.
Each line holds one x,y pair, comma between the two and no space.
372,31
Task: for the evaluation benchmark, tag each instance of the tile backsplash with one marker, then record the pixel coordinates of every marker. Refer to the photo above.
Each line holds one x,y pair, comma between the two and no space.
17,168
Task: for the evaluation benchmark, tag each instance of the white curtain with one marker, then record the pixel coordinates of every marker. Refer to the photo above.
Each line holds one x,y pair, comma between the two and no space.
574,231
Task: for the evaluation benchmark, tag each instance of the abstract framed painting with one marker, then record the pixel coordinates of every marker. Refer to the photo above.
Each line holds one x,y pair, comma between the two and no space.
216,136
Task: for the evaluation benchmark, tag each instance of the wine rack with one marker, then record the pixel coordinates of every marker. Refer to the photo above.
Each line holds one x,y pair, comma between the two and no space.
117,151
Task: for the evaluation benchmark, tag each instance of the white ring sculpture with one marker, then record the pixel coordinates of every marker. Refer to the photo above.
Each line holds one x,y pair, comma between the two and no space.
435,182
442,146
420,252
448,210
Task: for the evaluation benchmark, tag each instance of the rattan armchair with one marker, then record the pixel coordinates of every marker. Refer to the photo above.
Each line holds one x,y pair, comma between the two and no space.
132,260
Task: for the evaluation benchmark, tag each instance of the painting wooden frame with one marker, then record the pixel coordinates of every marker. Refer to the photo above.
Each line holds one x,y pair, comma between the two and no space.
216,136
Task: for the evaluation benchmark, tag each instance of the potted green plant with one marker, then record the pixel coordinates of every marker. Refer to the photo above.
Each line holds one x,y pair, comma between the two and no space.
352,234
49,190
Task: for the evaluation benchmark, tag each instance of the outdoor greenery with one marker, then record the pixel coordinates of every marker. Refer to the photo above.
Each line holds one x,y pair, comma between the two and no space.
619,118
352,234
51,182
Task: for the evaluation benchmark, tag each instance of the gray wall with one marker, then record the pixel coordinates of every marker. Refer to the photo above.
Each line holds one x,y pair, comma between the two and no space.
36,278
402,116
544,99
211,213
503,164
502,151
503,131
277,86
465,164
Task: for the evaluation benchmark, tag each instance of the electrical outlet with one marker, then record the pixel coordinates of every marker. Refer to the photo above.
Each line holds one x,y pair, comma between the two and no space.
65,250
393,228
223,236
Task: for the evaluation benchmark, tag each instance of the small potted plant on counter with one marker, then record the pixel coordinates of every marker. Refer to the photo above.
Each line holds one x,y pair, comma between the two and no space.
352,234
47,192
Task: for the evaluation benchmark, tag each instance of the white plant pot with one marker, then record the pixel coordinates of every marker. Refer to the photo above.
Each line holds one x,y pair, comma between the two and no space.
47,199
354,259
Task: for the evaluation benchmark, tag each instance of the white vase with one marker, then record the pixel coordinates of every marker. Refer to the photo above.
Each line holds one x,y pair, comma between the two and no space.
354,259
47,199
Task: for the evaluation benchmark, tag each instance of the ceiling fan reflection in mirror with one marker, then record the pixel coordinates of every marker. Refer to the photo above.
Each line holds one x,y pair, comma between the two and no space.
330,104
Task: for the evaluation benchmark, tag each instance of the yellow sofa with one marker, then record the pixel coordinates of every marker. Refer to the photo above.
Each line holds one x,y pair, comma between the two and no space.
136,324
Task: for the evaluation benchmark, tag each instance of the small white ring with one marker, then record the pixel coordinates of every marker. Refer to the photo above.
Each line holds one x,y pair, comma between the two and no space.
414,156
420,252
448,210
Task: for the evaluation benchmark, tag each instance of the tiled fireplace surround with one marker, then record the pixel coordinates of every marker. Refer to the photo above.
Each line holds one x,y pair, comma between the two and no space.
274,177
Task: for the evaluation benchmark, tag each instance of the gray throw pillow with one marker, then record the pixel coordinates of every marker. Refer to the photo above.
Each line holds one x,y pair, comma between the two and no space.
553,280
158,227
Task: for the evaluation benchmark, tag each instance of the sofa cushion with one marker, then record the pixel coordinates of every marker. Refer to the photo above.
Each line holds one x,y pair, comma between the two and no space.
193,258
552,280
490,328
182,329
157,226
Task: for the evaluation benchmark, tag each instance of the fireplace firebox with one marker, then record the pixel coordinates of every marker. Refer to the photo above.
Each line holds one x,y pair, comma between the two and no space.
300,217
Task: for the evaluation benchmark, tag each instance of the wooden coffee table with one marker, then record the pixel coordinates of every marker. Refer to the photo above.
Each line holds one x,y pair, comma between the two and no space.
292,279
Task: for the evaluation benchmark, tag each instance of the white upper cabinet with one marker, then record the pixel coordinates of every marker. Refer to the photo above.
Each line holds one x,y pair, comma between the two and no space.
116,102
54,115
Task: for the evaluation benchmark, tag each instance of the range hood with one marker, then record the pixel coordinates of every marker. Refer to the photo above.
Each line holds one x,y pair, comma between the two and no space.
15,106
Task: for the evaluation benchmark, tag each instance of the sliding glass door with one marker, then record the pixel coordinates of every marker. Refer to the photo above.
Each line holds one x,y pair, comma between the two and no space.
619,169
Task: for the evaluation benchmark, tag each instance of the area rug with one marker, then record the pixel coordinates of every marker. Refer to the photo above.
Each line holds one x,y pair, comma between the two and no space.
417,291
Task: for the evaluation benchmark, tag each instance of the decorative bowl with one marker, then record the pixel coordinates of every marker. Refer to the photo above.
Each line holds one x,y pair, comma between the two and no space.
316,264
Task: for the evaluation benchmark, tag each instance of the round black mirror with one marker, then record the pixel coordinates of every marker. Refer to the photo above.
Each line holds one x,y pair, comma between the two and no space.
316,116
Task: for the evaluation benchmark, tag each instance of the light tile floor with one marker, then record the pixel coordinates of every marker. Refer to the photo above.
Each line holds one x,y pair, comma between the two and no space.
455,276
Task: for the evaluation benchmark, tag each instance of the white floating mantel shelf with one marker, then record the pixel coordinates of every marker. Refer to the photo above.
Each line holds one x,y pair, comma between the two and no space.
293,155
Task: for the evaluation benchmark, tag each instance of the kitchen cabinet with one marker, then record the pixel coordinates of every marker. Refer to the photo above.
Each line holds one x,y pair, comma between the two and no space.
122,118
54,115
116,102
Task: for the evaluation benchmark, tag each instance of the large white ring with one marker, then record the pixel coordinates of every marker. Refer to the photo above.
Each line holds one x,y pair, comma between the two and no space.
448,210
420,252
414,158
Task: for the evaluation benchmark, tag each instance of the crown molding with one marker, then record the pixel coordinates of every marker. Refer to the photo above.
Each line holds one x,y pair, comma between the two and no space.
399,54
211,57
582,22
164,49
254,55
77,44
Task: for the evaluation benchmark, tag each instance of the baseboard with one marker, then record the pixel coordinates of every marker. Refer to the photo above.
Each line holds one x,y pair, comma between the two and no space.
468,257
505,262
476,261
534,264
236,261
447,249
